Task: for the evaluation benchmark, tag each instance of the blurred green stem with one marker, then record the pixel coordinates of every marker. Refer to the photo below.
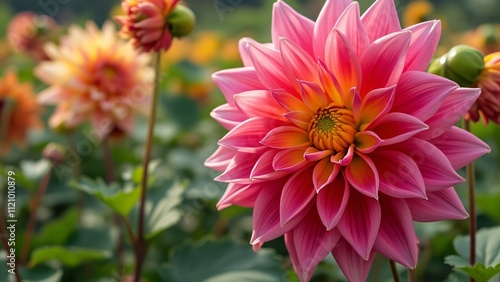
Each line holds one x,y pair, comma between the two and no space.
42,187
141,245
471,185
394,271
110,177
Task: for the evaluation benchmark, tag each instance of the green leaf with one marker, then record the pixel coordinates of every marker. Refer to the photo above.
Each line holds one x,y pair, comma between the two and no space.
120,200
222,261
41,273
489,205
58,231
161,210
68,256
184,111
35,170
487,254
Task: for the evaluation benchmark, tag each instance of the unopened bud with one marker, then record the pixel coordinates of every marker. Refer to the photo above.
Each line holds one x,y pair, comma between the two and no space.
181,21
54,153
462,64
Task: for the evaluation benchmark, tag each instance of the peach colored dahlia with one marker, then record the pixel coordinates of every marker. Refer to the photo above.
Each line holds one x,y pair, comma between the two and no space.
145,22
339,139
94,75
487,105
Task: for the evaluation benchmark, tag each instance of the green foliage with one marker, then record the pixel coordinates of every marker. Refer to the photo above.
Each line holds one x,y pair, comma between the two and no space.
222,261
58,231
161,210
68,256
120,200
487,255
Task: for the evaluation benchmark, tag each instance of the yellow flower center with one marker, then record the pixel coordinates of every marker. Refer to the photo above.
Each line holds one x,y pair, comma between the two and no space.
332,128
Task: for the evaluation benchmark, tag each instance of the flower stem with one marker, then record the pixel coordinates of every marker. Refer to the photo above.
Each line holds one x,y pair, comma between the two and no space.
471,185
42,187
110,177
141,246
412,275
394,271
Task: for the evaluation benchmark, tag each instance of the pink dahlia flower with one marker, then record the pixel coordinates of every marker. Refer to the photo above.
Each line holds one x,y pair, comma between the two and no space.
488,104
339,139
145,23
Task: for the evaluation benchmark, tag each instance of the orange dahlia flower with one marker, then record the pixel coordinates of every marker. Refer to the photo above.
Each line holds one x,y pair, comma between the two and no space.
95,76
18,111
152,24
28,32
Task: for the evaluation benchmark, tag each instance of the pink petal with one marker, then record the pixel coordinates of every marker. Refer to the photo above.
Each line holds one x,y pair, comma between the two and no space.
312,154
332,201
243,195
424,40
360,223
234,81
367,142
243,50
362,175
292,25
421,94
343,158
259,103
310,243
220,159
342,61
376,103
382,62
381,19
349,23
51,96
300,119
327,18
266,217
228,116
460,147
239,169
400,176
451,111
396,238
354,267
441,205
297,193
330,84
290,160
436,169
286,137
247,135
396,127
324,173
312,95
289,101
269,67
297,63
264,170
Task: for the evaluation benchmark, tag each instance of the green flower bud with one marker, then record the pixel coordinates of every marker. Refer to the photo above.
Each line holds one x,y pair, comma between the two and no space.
54,153
462,64
181,21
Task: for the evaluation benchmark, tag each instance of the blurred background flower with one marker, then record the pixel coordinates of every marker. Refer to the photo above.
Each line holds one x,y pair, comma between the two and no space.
28,32
19,111
94,75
